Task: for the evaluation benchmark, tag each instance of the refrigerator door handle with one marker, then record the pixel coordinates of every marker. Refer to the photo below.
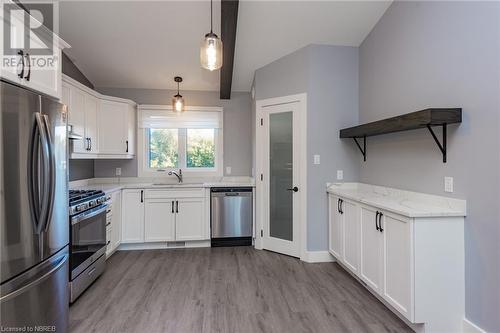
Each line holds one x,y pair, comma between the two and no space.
51,181
46,152
56,264
34,179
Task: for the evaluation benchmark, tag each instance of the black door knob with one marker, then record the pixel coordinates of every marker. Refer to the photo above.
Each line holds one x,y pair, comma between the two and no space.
295,189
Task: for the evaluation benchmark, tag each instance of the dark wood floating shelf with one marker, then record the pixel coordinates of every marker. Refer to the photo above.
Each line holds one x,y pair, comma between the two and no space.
427,118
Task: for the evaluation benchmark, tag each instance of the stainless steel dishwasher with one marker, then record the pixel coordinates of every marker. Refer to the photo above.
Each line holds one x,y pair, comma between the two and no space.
231,216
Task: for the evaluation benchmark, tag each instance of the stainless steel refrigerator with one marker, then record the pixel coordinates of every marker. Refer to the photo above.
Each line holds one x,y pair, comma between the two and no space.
34,233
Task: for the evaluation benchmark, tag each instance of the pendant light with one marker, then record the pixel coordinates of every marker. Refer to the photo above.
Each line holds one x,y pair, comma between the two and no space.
211,48
178,100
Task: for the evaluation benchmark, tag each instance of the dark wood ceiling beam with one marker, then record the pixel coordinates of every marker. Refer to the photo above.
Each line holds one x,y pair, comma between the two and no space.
229,18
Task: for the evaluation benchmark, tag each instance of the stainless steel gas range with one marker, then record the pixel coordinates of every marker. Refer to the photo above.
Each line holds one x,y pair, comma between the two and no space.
87,215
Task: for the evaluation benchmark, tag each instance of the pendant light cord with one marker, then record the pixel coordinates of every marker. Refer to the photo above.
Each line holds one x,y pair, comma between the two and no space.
178,88
211,17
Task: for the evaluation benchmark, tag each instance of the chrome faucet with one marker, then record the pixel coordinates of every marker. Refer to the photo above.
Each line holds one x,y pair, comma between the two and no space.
178,175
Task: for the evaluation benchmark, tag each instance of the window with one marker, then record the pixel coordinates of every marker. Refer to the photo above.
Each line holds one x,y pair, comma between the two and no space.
191,141
163,148
200,150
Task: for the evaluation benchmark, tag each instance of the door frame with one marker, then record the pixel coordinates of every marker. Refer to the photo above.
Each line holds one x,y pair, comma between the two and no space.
260,159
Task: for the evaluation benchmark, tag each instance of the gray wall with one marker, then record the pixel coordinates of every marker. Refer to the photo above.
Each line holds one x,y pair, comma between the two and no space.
329,76
237,127
442,54
81,169
70,69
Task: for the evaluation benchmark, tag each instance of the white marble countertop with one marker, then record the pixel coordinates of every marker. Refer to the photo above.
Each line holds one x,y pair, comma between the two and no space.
110,185
406,203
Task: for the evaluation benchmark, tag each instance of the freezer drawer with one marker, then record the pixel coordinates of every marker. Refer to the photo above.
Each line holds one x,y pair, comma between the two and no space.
231,213
38,298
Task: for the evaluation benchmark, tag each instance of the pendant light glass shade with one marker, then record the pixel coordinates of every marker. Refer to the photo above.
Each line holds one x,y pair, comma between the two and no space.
178,101
211,49
211,52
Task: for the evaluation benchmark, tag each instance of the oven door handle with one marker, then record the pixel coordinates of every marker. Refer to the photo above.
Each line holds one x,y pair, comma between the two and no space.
81,217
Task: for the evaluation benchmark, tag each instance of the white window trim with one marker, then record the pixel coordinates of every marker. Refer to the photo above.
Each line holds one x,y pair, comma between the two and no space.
143,148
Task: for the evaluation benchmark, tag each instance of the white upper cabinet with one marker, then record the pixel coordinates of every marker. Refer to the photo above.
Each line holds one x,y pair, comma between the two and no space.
113,138
91,131
107,124
26,67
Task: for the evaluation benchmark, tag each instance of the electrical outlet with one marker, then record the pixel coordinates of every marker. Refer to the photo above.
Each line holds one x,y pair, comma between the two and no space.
118,172
448,184
340,174
228,170
317,159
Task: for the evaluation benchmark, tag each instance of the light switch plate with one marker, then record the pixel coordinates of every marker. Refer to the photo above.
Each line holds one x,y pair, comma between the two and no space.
118,172
448,184
340,174
317,159
228,170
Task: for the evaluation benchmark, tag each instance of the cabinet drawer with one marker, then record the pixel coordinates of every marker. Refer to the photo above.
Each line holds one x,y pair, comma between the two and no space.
175,193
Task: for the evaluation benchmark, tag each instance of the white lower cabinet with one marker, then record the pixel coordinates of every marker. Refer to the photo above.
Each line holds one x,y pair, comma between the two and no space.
350,226
159,222
189,219
377,247
116,219
398,262
133,216
371,261
335,243
151,215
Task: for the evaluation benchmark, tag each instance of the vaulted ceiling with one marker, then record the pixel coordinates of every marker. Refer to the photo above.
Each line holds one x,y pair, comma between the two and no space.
144,44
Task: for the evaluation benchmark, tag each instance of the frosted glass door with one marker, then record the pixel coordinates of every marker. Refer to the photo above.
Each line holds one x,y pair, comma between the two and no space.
281,175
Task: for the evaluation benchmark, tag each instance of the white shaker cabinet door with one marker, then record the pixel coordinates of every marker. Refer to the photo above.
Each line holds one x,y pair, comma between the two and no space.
133,216
335,227
116,219
76,116
350,227
91,130
398,262
112,127
371,259
159,224
190,220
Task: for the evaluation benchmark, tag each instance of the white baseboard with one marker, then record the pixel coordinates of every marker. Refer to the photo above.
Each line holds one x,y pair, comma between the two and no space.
163,245
317,256
470,327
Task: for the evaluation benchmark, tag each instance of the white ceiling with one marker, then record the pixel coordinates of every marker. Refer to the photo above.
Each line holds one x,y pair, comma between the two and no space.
144,44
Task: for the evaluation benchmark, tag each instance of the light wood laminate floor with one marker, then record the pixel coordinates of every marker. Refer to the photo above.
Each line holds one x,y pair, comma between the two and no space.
236,289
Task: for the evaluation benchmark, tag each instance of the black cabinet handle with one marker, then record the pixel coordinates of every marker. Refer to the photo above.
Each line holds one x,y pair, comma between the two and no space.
376,221
176,206
108,242
27,77
172,206
341,206
127,146
338,205
21,53
142,195
90,142
380,222
294,189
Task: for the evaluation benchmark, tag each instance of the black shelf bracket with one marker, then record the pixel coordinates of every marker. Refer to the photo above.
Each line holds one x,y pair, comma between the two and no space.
363,150
441,147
